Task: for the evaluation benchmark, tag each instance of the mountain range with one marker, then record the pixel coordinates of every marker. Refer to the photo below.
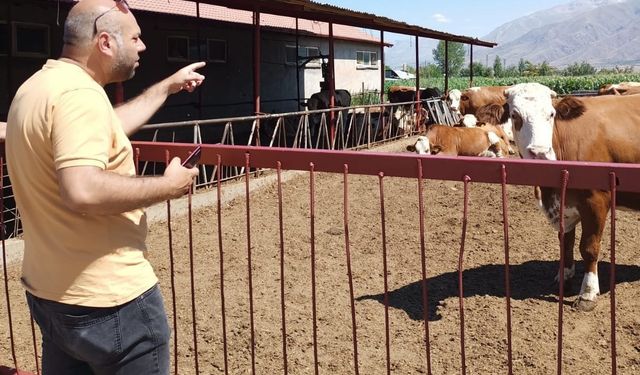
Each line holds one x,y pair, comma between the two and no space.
604,33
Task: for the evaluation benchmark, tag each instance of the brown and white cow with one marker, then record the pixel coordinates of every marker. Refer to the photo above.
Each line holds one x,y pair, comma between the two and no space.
622,88
404,120
600,128
471,99
453,141
485,103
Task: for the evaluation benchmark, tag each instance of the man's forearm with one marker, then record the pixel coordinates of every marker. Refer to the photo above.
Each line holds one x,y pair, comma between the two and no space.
105,193
139,110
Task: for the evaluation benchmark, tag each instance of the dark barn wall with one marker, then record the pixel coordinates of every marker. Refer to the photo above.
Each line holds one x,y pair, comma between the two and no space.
228,88
15,69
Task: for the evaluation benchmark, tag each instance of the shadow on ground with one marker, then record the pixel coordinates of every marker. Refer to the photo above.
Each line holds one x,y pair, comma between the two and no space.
532,279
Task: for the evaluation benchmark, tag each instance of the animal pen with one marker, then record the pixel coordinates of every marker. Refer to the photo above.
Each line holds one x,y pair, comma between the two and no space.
315,316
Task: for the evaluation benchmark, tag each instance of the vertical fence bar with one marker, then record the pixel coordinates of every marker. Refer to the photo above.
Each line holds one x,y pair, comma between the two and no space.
173,280
4,269
347,250
612,274
282,284
384,272
563,197
249,261
221,252
423,259
192,280
507,275
35,345
312,208
465,212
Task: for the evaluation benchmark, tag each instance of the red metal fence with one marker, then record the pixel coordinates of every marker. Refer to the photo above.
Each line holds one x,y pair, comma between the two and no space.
191,346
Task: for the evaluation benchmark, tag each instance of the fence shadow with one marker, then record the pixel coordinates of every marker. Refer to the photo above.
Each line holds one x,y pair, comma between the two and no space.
532,279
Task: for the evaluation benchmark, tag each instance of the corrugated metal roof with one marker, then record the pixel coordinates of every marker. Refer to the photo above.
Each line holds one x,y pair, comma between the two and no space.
344,20
221,13
308,9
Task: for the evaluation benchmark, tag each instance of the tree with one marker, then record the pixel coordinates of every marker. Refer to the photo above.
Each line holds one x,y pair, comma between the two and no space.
545,69
497,67
522,66
456,57
581,69
479,70
430,70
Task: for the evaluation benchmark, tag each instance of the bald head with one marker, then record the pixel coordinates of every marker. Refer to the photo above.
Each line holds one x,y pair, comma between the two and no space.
103,37
81,26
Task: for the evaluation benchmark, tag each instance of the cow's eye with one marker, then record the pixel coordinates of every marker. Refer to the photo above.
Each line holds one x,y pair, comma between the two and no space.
552,114
516,120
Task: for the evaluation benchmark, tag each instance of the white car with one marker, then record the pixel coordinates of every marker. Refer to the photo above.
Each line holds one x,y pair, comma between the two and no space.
396,74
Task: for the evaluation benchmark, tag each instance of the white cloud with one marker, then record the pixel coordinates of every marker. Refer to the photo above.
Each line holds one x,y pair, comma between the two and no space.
440,18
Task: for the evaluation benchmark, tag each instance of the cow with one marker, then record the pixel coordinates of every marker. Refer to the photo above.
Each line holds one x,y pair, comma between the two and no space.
321,100
402,94
622,88
471,99
454,141
486,103
599,129
471,121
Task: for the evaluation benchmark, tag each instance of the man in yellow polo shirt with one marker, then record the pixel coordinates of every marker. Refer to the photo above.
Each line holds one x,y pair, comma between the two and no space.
89,286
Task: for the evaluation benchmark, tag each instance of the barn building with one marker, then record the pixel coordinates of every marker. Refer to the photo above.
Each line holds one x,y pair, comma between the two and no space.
223,34
175,36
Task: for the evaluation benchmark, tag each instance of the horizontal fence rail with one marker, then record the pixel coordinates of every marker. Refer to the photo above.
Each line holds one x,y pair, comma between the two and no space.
191,346
355,127
584,175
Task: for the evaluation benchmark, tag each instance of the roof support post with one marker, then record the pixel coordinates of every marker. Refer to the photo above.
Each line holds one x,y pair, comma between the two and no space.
201,55
446,66
418,102
256,69
298,66
382,66
417,68
332,82
470,65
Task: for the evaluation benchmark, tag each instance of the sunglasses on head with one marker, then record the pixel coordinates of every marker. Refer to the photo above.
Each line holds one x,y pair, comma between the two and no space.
118,2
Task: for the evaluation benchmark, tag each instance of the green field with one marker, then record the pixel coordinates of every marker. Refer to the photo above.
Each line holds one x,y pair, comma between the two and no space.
560,84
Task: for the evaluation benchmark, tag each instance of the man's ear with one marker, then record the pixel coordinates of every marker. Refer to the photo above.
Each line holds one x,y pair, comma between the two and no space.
105,43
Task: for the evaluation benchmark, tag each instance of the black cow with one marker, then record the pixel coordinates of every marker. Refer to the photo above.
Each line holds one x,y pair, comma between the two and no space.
400,94
321,100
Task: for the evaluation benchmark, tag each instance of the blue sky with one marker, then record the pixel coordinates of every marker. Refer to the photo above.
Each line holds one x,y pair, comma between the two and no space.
474,18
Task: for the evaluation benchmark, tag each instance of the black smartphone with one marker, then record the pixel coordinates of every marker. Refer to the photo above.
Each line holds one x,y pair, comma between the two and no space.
193,158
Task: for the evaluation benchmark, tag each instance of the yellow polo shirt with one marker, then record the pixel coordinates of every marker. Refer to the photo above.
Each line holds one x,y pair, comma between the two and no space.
60,118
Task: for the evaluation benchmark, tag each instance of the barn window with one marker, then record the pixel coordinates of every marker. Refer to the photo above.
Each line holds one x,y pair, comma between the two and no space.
197,51
177,48
303,52
4,38
183,48
366,59
217,50
30,39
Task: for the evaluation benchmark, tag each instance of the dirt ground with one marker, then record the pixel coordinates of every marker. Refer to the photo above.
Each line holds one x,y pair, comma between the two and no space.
533,257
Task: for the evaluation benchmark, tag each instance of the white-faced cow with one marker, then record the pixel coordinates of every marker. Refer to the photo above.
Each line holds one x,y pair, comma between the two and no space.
453,141
600,128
